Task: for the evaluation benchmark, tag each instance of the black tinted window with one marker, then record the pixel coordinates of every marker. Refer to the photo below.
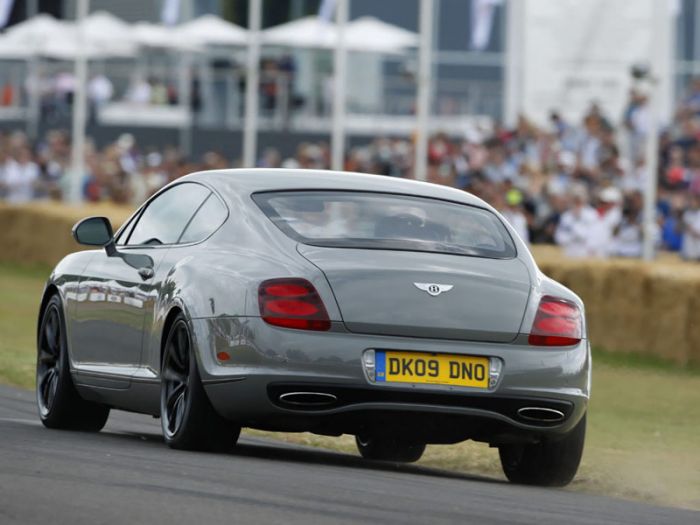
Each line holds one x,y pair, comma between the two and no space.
207,219
345,219
163,221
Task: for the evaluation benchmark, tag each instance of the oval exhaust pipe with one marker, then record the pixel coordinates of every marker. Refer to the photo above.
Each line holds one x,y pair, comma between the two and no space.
541,414
308,398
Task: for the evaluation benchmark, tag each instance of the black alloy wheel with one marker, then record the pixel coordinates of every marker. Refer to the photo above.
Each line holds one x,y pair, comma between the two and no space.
60,405
48,365
552,462
188,420
176,379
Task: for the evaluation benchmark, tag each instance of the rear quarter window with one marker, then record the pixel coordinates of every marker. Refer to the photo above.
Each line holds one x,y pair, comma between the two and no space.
206,221
349,219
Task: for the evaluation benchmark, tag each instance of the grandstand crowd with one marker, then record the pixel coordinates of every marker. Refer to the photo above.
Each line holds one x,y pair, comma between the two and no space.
575,184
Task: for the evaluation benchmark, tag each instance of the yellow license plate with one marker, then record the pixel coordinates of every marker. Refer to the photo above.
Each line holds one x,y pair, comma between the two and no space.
436,369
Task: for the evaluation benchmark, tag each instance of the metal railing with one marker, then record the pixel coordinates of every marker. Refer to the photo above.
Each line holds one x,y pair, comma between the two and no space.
216,95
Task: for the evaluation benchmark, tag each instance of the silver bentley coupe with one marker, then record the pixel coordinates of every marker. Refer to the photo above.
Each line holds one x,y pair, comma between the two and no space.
400,312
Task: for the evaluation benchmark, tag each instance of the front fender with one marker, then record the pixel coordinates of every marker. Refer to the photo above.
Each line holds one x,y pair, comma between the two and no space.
65,280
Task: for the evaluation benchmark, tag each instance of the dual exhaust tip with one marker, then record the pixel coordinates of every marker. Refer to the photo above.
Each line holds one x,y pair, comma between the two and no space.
308,399
321,399
541,414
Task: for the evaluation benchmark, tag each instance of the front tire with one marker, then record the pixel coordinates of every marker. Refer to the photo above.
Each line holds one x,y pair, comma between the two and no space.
386,448
549,463
60,405
188,420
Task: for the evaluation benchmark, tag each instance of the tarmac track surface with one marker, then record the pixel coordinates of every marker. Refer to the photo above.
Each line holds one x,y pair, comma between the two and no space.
126,475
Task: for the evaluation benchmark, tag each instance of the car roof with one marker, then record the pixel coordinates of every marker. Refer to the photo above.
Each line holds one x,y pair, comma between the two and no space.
254,180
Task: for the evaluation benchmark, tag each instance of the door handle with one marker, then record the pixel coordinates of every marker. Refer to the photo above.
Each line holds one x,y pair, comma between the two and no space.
146,273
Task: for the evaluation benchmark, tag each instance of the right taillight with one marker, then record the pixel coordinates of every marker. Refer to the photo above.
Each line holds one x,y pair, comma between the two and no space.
558,322
292,303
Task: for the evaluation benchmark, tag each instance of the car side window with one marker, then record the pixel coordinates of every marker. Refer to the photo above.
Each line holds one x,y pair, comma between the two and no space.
165,218
124,234
208,218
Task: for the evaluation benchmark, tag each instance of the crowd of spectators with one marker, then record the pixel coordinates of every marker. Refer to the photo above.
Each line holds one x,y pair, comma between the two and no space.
576,185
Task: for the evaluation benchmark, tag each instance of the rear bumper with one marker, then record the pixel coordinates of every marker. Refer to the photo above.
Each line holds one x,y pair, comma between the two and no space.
267,362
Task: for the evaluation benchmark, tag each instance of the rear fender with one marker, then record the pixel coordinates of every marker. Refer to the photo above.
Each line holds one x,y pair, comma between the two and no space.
225,284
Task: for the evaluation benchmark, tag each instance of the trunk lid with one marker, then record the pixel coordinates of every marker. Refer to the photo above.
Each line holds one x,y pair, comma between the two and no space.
377,293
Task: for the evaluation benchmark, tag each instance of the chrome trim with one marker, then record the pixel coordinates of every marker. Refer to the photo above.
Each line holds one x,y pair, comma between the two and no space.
550,415
324,398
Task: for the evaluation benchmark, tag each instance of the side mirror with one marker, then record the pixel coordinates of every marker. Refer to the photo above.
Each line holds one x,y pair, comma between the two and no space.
93,231
97,231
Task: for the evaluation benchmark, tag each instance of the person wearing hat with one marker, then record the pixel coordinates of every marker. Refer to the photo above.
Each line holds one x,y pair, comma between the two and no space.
610,213
513,213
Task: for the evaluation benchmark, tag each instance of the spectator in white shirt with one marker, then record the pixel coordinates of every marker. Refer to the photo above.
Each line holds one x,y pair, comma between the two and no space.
637,122
100,90
20,177
589,148
690,249
629,235
139,92
576,232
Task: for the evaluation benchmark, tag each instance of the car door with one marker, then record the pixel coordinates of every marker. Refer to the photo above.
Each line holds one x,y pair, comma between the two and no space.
117,293
207,219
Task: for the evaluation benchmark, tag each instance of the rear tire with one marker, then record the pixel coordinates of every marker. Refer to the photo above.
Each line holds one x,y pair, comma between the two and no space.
60,405
550,463
384,448
188,420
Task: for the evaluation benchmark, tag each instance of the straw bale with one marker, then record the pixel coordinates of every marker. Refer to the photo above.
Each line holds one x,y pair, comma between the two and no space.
40,233
693,323
620,313
589,283
668,316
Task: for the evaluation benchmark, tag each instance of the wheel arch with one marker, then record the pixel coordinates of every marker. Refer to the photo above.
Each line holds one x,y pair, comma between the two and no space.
173,313
49,291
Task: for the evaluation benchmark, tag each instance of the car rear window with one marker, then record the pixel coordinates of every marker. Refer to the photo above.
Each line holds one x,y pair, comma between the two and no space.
353,219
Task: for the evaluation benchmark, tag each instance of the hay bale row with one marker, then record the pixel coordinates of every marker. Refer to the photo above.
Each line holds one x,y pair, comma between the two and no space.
631,306
40,233
636,307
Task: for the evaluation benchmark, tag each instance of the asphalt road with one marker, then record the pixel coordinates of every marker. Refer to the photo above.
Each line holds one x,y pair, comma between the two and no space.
125,474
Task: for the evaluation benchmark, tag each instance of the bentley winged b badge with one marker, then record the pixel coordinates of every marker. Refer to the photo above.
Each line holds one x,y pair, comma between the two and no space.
434,289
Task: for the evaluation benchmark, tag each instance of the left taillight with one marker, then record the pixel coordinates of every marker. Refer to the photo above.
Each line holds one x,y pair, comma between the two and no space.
292,303
558,322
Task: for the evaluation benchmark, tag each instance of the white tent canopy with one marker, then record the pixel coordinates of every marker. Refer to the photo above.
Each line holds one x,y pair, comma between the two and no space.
109,33
309,32
146,34
105,36
33,35
38,27
11,49
366,34
108,36
371,34
152,35
212,30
